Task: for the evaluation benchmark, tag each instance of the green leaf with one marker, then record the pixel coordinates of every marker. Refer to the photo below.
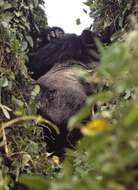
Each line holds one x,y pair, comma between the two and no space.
1,3
30,40
3,82
102,97
18,14
35,3
17,102
132,116
5,111
34,182
7,6
35,92
24,45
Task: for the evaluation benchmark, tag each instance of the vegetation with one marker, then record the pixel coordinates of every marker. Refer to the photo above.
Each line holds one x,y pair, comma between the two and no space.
107,156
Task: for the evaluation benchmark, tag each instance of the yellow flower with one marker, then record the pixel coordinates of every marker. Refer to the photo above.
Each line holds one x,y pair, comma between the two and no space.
95,126
55,160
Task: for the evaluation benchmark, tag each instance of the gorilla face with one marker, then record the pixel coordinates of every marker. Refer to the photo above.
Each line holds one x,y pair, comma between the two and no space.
55,33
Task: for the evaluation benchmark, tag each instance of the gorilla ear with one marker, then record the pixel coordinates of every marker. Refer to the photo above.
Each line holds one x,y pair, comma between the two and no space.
88,37
107,32
105,35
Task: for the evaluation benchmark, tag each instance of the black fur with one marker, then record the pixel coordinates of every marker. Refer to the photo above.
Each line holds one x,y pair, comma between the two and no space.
71,47
62,92
49,34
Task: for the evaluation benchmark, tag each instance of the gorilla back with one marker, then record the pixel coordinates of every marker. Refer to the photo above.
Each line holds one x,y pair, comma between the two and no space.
62,95
71,47
62,92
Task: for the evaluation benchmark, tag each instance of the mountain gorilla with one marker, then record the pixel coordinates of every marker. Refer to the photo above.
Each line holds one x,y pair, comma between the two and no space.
60,47
55,67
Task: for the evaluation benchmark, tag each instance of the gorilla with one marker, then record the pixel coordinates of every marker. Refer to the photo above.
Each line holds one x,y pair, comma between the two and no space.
61,47
55,67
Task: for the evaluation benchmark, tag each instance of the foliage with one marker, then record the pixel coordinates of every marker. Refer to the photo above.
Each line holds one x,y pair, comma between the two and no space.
105,12
107,156
22,146
24,19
